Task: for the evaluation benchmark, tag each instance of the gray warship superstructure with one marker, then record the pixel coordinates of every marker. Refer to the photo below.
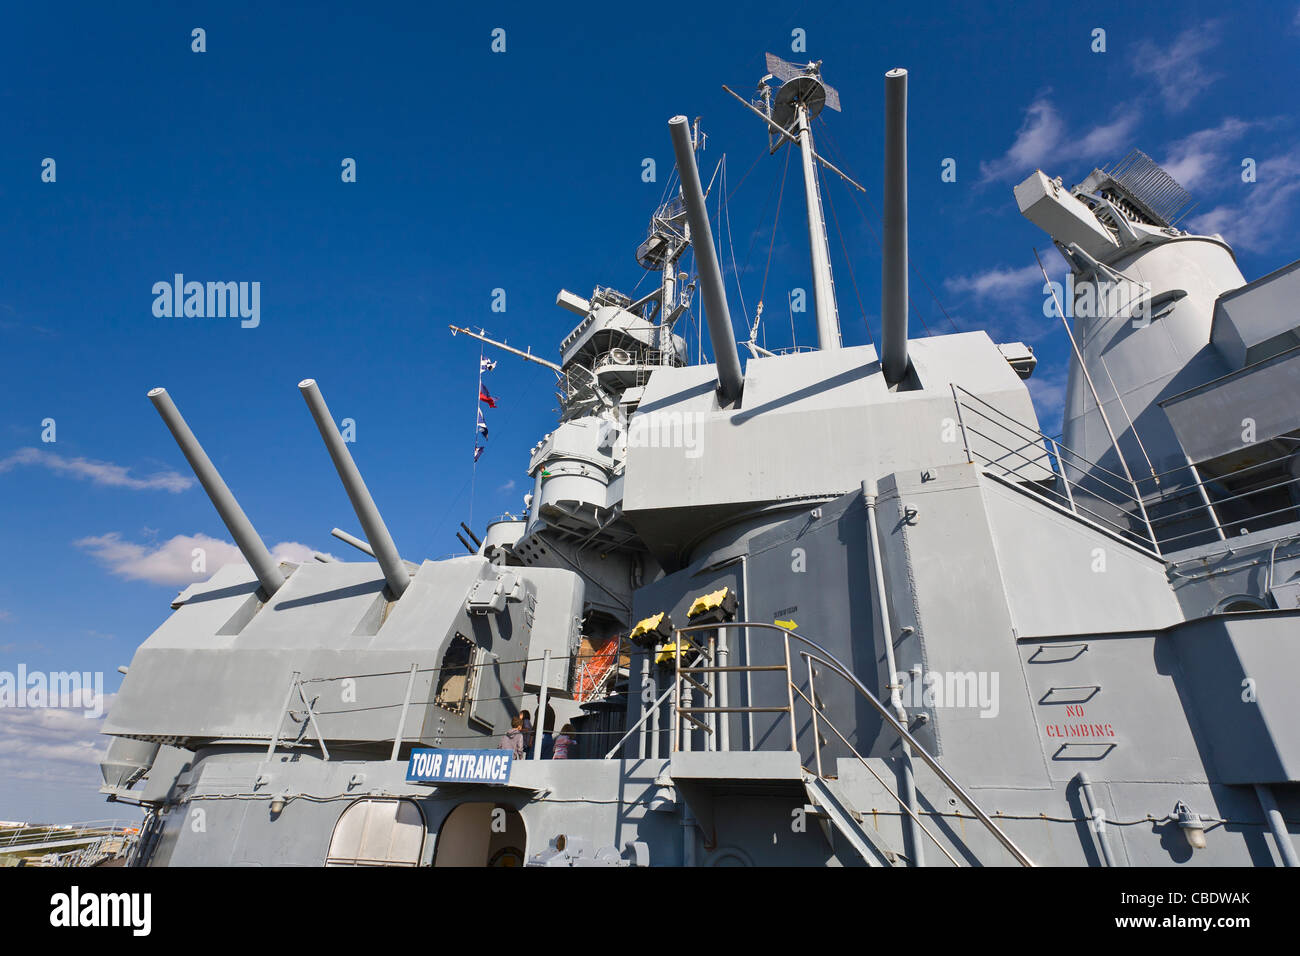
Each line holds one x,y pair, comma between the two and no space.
836,607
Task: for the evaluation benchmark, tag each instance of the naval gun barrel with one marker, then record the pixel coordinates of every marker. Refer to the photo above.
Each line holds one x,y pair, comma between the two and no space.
893,285
721,335
237,523
377,536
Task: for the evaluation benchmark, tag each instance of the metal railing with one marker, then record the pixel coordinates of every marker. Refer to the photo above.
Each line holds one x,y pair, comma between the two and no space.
1116,502
38,836
685,684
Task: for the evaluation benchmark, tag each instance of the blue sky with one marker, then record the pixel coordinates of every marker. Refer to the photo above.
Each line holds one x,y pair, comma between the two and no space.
478,170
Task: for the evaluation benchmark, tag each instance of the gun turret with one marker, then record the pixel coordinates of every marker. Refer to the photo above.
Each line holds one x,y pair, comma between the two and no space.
893,286
237,523
721,335
372,523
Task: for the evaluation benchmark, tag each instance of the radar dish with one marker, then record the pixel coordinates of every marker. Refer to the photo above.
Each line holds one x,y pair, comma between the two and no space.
803,83
783,70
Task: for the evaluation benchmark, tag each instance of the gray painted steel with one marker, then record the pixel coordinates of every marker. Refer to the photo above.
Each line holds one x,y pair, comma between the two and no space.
237,523
893,269
377,536
1078,655
721,335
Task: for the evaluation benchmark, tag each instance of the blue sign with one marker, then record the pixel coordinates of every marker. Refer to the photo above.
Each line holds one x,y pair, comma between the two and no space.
459,766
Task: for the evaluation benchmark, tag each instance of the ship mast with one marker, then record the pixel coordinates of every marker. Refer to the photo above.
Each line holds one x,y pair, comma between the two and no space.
799,99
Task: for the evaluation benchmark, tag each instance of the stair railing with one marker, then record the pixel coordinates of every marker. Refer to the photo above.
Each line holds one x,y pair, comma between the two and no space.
683,708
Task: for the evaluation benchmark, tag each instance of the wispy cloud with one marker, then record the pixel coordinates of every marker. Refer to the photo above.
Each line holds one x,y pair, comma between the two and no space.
1264,216
99,472
175,561
1011,299
1043,137
996,282
1178,68
53,745
1192,159
508,487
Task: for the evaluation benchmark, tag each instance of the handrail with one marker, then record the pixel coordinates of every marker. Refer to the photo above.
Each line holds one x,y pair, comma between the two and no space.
1133,497
870,769
652,709
903,733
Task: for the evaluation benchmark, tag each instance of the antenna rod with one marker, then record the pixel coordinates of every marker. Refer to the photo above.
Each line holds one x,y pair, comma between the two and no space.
527,356
790,139
828,319
730,381
377,535
893,290
241,529
353,540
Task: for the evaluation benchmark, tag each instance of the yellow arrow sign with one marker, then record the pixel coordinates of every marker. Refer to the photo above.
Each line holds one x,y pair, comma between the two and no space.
788,625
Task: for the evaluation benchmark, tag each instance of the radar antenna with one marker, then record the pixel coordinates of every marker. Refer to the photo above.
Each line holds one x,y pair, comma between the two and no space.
788,112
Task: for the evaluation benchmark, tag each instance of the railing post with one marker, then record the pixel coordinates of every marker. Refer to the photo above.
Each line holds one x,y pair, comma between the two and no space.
1142,509
1064,477
789,692
645,684
711,741
406,706
812,697
1205,497
275,737
961,423
311,719
724,695
677,691
539,726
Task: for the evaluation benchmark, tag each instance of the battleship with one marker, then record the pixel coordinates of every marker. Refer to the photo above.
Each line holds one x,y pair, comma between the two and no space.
925,633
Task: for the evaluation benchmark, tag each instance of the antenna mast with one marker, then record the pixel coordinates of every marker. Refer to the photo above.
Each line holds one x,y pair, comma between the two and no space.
801,96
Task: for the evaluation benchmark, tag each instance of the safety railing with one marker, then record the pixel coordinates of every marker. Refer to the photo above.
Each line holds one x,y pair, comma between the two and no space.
303,721
36,836
701,656
1235,501
1009,449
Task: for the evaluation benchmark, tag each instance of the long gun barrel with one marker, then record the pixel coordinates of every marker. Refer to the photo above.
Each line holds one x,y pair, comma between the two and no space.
377,536
893,286
237,523
721,335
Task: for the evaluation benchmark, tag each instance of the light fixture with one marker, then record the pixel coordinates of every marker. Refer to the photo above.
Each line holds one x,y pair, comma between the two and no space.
277,804
1192,826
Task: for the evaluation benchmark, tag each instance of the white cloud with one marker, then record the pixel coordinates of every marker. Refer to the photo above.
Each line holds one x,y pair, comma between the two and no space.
1039,134
52,746
1042,139
172,562
1178,68
1191,159
1263,217
997,282
100,472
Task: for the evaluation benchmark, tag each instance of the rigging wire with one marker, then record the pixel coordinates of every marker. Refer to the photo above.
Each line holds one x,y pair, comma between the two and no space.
752,166
762,292
731,242
824,131
847,261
